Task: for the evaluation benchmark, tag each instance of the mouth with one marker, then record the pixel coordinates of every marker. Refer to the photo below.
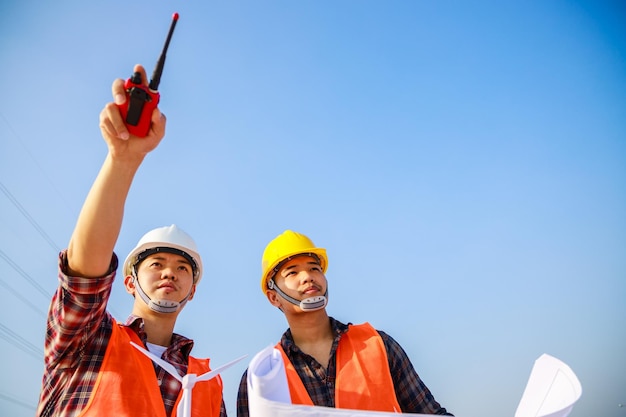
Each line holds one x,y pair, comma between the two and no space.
311,290
166,287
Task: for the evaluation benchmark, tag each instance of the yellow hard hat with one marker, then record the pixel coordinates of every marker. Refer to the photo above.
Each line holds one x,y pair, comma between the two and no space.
285,246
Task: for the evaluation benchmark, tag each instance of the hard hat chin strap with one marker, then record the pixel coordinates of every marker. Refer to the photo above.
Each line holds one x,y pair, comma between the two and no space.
160,306
308,304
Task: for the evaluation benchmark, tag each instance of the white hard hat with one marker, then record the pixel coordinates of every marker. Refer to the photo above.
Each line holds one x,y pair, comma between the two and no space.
165,239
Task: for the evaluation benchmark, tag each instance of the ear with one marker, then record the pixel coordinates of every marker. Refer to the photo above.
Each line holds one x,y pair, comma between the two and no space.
272,297
129,284
192,292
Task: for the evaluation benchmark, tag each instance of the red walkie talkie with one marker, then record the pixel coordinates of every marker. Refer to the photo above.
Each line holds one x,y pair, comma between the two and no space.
142,100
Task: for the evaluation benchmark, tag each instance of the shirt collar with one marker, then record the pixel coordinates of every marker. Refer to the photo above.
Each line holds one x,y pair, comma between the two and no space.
181,343
338,328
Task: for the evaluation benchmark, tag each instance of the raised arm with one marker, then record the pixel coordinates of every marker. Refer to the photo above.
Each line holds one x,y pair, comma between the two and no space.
100,220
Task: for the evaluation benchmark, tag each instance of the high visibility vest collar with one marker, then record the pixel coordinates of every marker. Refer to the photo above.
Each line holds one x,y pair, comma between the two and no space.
363,380
127,386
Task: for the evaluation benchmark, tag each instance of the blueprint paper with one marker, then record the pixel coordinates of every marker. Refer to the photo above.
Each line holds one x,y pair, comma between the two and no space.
268,392
551,391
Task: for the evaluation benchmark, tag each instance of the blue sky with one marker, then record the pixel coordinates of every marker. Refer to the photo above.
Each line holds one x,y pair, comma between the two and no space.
463,164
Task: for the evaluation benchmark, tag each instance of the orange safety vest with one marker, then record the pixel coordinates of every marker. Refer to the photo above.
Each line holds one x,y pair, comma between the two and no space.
127,384
363,380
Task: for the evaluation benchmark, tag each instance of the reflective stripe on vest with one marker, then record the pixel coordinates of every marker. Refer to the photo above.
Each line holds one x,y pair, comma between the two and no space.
363,379
127,383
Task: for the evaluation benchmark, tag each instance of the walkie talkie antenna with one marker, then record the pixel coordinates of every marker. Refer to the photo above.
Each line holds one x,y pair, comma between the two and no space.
158,70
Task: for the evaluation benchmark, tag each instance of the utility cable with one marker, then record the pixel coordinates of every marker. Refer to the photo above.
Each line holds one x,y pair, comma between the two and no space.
22,298
19,342
21,142
25,275
12,399
29,218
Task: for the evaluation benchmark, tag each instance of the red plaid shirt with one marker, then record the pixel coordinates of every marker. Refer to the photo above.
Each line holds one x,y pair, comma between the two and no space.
78,331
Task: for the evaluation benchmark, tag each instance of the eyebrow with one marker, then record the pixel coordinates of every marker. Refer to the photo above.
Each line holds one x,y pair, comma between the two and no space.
160,257
308,263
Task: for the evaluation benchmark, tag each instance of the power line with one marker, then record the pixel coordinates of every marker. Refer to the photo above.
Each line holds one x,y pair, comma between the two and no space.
21,142
22,298
25,275
19,342
29,218
12,399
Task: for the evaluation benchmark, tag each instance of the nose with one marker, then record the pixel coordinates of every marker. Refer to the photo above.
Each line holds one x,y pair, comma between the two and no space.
168,273
306,276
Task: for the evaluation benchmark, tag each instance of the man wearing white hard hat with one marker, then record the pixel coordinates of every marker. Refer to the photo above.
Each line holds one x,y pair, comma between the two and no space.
95,366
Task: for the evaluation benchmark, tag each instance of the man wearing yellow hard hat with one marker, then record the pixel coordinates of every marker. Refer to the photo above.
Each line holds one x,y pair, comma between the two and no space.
329,363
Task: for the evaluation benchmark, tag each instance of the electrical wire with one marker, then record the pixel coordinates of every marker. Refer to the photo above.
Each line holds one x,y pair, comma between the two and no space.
20,271
23,299
12,399
29,218
19,342
21,142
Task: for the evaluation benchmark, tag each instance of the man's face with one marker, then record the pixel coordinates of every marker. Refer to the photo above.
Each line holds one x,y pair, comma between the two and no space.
301,277
166,276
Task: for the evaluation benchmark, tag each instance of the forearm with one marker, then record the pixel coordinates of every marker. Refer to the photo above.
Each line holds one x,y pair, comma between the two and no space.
100,220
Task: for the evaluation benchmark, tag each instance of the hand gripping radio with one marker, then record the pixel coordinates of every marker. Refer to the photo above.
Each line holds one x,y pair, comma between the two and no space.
142,100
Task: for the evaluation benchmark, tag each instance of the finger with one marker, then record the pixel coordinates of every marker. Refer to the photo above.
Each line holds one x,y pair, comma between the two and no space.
144,77
107,128
119,92
115,121
158,122
105,123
